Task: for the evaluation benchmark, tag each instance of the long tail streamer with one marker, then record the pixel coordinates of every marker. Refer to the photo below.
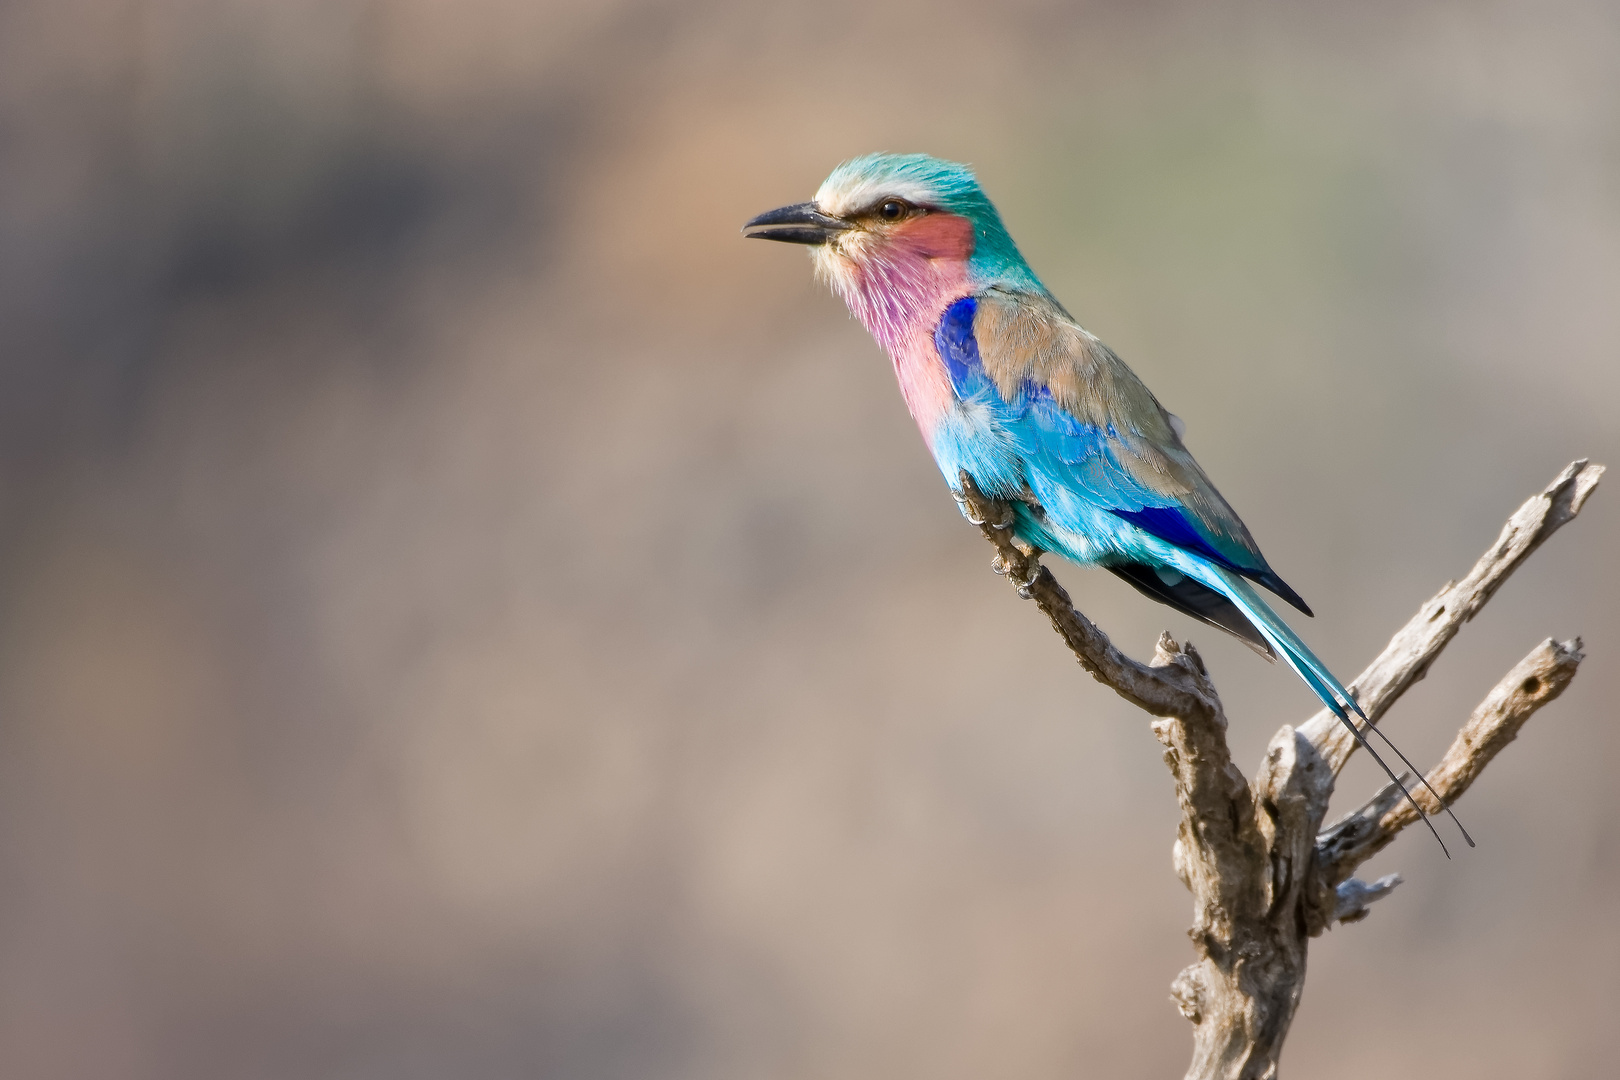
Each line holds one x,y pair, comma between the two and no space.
1331,692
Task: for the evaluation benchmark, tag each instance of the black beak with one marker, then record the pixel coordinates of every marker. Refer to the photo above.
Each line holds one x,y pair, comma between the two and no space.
801,223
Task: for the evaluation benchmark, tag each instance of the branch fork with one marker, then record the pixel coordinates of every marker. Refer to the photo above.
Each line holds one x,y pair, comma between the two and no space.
1265,875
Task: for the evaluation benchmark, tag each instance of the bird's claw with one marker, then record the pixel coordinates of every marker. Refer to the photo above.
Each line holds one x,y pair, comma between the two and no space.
1025,588
966,507
1004,520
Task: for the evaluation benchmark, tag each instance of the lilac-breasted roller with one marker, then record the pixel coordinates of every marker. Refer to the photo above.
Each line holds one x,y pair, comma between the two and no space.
1007,387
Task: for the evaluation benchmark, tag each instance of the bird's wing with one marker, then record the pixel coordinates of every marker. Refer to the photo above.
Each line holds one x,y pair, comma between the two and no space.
1077,409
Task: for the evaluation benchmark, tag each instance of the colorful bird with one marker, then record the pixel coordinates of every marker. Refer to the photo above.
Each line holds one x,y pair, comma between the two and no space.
1007,387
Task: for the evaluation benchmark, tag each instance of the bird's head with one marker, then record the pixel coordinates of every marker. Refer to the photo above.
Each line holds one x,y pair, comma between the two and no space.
896,211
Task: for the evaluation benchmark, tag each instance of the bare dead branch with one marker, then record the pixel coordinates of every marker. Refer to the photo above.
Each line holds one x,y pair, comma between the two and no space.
1407,657
1264,875
1357,828
1533,682
1177,686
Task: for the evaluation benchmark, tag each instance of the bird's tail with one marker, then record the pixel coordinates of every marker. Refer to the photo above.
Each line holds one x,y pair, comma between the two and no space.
1332,693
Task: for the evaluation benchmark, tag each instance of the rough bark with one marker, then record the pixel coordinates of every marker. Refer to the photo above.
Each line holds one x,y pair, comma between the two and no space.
1264,875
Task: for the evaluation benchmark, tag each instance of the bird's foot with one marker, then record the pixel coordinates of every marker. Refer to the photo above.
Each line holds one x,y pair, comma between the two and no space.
1023,577
967,508
981,511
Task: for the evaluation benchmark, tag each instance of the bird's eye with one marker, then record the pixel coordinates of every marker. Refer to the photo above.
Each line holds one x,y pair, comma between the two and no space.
892,210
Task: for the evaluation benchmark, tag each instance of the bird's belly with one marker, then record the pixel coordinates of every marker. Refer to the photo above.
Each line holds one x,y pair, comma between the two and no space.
1078,522
1059,515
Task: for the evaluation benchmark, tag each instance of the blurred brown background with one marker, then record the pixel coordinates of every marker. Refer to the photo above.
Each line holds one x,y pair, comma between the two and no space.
464,612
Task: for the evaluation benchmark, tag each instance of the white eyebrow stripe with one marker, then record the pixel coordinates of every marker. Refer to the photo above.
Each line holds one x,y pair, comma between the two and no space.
860,195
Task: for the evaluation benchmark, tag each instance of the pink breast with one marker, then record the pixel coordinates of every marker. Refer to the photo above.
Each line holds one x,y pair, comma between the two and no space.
923,379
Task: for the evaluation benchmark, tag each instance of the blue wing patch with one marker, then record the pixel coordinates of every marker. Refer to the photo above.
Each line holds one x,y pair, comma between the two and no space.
958,347
1170,524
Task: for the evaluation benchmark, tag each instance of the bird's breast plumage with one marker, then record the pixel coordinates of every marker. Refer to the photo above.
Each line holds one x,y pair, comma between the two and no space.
899,288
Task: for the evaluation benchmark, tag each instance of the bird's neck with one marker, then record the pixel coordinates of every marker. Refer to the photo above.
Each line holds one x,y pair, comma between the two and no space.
899,295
